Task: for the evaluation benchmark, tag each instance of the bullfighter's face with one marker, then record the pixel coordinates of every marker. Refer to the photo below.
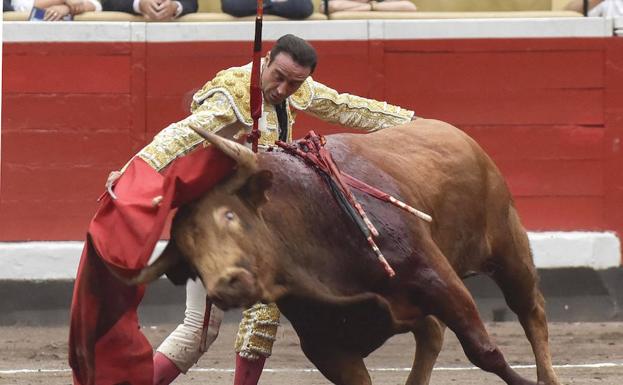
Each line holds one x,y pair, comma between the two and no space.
281,77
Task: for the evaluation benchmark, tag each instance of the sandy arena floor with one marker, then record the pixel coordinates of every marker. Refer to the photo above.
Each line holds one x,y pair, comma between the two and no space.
584,353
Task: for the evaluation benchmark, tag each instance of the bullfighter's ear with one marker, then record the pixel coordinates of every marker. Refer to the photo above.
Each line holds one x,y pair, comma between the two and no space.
254,190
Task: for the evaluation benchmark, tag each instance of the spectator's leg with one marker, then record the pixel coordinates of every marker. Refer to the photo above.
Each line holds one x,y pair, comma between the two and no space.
185,345
254,342
239,8
349,5
291,9
394,5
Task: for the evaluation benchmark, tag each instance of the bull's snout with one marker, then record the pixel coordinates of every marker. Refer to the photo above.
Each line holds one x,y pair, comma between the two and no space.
235,288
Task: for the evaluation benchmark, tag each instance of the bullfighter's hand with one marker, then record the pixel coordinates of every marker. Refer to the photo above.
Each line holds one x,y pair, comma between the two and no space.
112,178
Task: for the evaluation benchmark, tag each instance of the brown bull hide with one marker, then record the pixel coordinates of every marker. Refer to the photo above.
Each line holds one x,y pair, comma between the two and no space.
301,251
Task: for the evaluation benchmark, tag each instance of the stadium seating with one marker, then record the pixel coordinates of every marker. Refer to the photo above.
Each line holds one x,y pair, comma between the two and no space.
210,11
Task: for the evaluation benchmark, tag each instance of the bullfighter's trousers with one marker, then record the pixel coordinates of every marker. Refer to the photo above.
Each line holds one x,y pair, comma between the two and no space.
187,343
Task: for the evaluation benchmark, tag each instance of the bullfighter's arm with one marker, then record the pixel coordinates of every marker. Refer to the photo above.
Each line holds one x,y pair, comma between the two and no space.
354,111
215,114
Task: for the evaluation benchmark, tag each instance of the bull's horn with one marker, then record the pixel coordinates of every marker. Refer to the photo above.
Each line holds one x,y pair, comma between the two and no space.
166,260
241,154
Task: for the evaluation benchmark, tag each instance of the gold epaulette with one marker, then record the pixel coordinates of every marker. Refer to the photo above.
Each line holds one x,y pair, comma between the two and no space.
233,83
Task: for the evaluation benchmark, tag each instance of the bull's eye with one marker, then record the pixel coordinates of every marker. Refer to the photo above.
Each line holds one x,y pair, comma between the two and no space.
226,218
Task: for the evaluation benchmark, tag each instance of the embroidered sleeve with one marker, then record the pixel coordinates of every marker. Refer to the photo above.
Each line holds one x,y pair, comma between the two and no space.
214,114
355,111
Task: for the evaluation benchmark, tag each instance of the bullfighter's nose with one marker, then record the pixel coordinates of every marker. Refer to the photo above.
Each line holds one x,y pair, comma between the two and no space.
235,288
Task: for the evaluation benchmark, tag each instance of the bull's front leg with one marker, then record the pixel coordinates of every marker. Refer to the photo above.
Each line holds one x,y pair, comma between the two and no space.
439,291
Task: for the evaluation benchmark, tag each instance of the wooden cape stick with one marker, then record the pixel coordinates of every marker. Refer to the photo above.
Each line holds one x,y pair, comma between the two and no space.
256,91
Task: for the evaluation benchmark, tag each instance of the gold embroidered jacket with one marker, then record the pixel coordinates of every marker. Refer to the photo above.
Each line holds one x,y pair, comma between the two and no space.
222,106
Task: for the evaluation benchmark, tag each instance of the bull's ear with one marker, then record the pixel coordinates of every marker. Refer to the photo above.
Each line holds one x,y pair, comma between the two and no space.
253,192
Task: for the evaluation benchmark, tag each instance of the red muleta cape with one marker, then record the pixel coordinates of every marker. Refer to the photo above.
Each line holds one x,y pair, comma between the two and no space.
106,346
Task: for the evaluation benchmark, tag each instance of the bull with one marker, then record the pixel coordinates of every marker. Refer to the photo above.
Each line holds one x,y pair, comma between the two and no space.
273,232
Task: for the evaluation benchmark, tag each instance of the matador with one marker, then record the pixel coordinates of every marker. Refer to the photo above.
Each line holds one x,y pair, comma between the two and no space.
220,106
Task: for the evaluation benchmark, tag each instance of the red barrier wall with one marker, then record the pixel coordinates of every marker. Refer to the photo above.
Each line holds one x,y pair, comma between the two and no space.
548,111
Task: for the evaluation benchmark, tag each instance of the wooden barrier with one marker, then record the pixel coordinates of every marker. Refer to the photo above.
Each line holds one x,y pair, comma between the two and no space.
547,109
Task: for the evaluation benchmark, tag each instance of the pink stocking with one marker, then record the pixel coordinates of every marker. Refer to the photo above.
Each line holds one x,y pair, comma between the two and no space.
248,371
165,371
